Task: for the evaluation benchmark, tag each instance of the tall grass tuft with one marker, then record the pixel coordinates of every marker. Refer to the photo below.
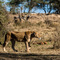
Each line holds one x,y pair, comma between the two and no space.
56,44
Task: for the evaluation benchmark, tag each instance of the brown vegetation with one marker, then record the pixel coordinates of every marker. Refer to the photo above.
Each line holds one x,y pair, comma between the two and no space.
46,25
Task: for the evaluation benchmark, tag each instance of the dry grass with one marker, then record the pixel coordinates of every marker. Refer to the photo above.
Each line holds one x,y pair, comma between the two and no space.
56,44
47,28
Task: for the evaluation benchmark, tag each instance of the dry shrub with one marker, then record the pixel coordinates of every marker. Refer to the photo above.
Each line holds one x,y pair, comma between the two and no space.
3,15
3,22
56,44
49,23
25,24
39,23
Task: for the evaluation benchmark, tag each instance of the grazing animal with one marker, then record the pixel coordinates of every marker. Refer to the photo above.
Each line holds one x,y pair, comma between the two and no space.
25,37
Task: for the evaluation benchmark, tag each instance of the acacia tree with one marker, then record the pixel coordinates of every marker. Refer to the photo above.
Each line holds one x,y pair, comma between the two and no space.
31,3
56,5
14,4
43,3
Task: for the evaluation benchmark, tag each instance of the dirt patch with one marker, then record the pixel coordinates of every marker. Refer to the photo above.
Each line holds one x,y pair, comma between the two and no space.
21,56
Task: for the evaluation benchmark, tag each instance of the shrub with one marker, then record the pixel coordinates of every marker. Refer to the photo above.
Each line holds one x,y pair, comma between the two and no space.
49,23
56,44
39,23
3,22
3,15
57,38
24,24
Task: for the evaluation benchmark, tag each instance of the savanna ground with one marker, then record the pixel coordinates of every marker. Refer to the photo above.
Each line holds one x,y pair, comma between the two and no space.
48,26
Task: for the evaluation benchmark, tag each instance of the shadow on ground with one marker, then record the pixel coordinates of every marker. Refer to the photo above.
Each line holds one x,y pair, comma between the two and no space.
26,56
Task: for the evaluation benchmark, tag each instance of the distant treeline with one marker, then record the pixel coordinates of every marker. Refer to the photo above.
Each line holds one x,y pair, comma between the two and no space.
17,6
50,4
